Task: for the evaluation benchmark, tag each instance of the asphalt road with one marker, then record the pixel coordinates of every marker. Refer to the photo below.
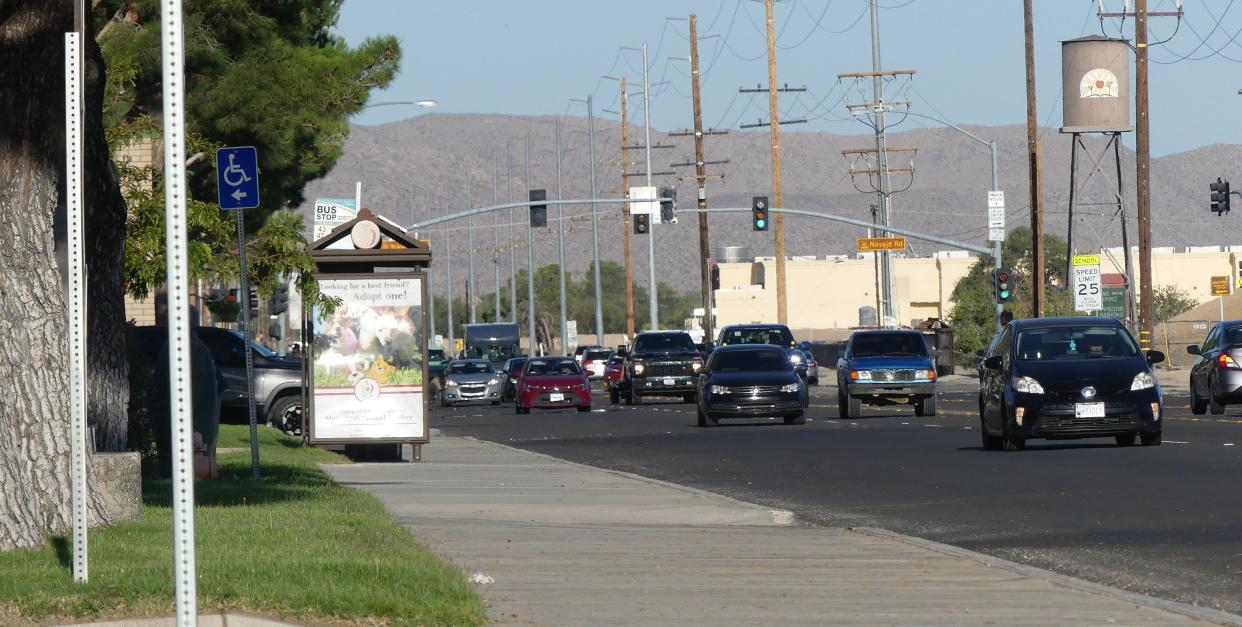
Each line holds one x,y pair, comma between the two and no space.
1164,521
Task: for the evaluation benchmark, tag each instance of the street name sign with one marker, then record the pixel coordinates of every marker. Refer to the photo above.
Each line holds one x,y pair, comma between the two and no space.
237,177
871,244
996,216
1220,286
1088,295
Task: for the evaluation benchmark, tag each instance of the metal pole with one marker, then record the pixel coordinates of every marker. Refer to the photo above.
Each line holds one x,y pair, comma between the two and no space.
74,121
448,271
530,263
247,329
512,242
888,315
996,246
181,410
652,296
1125,238
431,297
1069,227
496,235
599,305
560,236
472,288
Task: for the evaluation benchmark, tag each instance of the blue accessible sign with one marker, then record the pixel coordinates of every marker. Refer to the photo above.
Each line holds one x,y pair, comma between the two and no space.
237,177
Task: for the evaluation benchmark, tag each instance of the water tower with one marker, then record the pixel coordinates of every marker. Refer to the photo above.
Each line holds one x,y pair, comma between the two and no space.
1095,87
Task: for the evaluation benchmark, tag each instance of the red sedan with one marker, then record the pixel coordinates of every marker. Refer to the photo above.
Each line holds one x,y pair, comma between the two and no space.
613,371
552,383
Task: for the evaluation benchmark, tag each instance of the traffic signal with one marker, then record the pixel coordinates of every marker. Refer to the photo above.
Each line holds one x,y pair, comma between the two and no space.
1220,196
1002,281
232,297
254,301
759,213
279,303
668,208
642,223
538,213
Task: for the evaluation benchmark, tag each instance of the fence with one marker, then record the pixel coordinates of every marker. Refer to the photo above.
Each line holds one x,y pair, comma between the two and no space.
1173,338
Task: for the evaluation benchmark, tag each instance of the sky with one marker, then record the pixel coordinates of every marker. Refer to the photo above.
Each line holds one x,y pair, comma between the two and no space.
530,57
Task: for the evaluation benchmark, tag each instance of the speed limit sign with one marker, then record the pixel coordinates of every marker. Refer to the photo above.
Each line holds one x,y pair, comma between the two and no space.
1086,283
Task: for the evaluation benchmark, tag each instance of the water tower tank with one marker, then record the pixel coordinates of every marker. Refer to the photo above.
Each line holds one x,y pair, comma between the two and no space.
1095,77
734,254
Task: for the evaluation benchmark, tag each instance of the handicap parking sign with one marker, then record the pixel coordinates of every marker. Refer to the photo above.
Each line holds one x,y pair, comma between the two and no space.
237,177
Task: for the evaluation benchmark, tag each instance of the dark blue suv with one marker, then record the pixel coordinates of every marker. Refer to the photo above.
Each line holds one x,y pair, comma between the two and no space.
888,367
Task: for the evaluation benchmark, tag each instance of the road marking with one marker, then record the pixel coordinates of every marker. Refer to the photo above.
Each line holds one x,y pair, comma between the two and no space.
1175,442
933,425
1228,443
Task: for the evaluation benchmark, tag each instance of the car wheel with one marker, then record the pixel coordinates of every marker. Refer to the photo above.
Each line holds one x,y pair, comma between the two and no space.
614,395
813,381
847,406
520,410
1125,439
1198,405
632,397
704,421
1214,404
1013,443
795,420
286,415
1150,438
584,408
495,403
990,442
927,406
689,398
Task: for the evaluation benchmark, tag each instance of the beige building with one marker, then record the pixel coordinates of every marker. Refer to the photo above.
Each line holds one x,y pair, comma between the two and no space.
141,154
826,295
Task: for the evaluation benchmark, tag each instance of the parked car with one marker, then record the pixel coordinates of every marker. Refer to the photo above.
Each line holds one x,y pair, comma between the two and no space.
468,380
277,380
1059,378
553,383
811,368
512,372
594,362
613,370
886,367
750,381
1216,376
660,363
583,350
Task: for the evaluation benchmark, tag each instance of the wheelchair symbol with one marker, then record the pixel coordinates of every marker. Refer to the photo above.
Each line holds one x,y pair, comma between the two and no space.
234,175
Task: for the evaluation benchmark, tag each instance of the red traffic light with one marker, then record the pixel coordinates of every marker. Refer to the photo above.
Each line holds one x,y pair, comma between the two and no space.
232,297
1004,276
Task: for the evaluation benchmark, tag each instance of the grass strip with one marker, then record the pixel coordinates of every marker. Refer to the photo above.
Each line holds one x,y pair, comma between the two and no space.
294,544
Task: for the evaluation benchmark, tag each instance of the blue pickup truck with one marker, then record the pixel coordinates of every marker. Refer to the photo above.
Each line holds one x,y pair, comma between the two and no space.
886,367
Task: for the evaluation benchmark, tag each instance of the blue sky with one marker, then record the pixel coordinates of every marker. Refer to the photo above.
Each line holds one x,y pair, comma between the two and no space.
529,57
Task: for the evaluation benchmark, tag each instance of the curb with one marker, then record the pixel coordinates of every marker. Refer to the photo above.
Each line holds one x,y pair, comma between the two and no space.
1185,609
780,517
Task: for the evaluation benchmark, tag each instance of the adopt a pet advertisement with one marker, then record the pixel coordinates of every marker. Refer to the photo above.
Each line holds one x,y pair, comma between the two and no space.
368,357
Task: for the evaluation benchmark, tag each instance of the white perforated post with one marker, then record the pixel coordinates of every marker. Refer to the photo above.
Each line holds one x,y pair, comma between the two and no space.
179,396
77,302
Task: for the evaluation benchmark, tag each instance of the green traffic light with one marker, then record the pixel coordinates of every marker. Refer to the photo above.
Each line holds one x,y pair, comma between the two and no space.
1005,295
761,223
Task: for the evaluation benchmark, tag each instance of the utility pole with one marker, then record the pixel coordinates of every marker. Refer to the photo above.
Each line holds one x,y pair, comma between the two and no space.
512,242
471,286
700,178
560,237
448,268
496,235
530,262
1034,158
625,214
1142,159
599,305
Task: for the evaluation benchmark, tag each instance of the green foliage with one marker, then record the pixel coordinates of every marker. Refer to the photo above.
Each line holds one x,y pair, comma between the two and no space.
1169,301
269,75
974,305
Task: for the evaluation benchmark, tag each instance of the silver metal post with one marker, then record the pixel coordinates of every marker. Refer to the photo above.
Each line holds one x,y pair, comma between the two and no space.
996,246
530,264
496,234
247,330
599,307
448,272
471,287
181,411
651,297
76,295
512,242
560,237
431,298
889,313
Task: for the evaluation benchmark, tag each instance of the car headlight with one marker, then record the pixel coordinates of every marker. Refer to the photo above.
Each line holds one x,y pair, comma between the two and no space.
639,368
1143,381
697,365
1027,385
794,359
789,388
450,383
720,389
494,381
860,375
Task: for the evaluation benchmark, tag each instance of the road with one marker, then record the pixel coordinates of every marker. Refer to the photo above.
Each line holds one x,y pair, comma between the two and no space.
1164,521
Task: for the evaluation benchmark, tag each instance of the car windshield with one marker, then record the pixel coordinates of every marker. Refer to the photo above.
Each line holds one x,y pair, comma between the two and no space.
1075,342
553,367
494,354
778,336
888,344
616,359
469,367
435,354
664,342
761,360
598,355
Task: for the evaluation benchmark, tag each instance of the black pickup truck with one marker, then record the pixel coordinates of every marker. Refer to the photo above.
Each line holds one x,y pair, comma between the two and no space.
660,363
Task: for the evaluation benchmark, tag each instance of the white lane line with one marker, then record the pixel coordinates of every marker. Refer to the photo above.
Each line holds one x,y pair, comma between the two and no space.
1228,443
1175,442
933,425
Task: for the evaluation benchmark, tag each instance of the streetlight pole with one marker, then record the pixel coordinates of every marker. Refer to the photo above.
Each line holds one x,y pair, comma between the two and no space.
651,297
512,242
471,286
599,309
530,263
448,269
560,236
496,235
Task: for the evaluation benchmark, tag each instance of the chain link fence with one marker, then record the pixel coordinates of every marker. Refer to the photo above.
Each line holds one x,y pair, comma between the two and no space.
1173,337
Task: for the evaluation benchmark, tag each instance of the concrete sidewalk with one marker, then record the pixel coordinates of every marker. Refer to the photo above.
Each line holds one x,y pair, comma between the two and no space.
558,543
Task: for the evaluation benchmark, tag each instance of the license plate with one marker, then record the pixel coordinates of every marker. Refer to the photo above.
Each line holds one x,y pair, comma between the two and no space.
556,398
1089,410
670,382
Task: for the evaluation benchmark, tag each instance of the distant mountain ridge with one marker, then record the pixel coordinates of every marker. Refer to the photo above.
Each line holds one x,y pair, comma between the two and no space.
404,165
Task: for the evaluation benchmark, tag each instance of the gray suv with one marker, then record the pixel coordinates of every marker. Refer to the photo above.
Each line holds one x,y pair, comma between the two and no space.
277,380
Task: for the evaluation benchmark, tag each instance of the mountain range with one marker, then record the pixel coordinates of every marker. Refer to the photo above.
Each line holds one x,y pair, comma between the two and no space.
407,167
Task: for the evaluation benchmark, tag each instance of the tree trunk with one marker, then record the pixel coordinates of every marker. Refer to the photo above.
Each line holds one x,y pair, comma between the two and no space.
34,417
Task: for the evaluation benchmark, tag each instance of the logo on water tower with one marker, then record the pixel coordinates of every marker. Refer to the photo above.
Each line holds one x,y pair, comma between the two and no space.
1098,83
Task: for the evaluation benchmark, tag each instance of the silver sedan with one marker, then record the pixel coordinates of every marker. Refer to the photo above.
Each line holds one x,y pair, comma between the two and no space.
467,380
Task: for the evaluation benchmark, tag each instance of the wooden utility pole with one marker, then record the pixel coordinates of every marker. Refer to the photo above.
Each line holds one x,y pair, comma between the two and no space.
1142,159
700,173
778,198
625,216
1037,278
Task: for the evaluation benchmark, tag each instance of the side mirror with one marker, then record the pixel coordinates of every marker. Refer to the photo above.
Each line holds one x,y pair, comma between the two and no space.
1155,357
979,353
1193,349
805,345
992,363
